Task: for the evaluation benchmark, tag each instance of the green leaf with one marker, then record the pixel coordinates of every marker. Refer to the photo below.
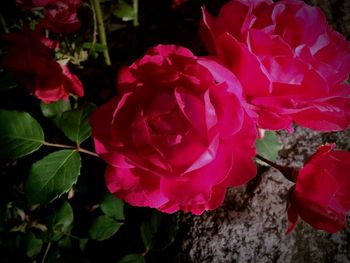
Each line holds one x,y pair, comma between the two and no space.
82,244
65,243
61,221
124,10
75,124
103,228
98,47
269,146
34,245
149,228
167,232
20,134
133,258
7,81
53,176
2,218
54,110
113,207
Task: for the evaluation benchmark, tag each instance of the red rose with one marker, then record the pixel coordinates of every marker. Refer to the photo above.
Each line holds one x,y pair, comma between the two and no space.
322,191
60,16
28,4
178,135
292,65
31,62
177,3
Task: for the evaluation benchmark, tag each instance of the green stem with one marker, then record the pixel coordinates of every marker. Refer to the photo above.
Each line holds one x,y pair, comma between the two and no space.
101,29
93,42
136,12
58,145
87,152
46,252
288,172
3,23
70,147
68,235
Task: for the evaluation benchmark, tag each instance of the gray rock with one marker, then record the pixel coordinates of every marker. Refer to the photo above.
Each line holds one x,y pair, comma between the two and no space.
251,224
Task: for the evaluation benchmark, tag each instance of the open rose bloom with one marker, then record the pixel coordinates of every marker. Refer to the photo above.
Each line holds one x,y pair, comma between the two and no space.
178,134
291,64
321,196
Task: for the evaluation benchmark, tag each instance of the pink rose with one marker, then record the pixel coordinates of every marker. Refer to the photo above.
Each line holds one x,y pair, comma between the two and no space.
28,4
30,60
178,135
177,3
60,16
291,64
322,191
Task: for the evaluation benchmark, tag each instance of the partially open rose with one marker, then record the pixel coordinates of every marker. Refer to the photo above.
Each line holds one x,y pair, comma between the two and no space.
291,64
60,16
322,191
178,135
31,61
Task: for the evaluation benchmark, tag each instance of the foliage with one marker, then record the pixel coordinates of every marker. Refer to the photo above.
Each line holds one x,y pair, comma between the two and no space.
54,206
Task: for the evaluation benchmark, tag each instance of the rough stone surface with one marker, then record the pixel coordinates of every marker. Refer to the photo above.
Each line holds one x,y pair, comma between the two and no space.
251,224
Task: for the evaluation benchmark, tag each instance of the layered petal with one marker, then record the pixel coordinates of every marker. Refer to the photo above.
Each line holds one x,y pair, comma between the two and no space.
322,190
289,60
29,58
179,134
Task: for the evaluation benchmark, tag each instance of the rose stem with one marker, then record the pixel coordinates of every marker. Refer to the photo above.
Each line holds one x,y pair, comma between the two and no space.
93,42
70,147
3,23
101,29
136,12
286,171
46,252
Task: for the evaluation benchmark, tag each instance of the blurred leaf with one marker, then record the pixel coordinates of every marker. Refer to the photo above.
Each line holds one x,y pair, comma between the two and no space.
34,245
103,228
82,243
54,256
2,218
113,207
133,258
52,176
65,243
167,233
54,110
269,146
20,134
149,228
61,221
98,47
124,10
7,81
75,123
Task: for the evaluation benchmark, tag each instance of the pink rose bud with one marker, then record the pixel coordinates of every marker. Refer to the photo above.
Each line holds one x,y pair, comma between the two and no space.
291,63
321,196
178,135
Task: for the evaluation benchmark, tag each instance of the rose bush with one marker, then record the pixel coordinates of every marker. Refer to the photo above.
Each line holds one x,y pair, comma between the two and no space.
178,135
30,60
59,16
292,65
321,196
